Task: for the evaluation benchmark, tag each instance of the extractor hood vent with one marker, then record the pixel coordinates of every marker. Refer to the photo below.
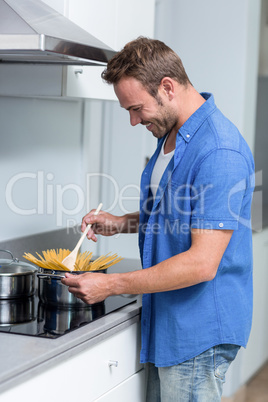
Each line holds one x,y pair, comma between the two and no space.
32,32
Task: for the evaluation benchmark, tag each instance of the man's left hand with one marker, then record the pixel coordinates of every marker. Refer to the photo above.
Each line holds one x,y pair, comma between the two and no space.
89,287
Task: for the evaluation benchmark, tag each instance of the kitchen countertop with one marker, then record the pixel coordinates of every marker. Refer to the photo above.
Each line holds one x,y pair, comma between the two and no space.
24,356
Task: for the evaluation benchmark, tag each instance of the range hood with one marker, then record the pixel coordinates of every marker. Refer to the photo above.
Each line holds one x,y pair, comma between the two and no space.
32,32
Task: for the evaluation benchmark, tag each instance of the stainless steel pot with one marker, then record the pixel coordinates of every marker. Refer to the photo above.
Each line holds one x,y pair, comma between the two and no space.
17,279
52,292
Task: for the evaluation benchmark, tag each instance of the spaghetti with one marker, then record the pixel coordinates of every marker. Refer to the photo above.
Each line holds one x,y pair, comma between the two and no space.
52,259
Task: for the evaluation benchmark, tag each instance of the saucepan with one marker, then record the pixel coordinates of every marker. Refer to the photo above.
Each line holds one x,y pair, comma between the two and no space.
52,291
17,279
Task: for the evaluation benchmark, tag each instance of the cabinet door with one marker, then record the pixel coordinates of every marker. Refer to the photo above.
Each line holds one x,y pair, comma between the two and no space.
86,82
131,390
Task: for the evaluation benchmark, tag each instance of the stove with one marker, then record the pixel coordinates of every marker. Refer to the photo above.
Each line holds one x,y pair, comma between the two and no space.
30,317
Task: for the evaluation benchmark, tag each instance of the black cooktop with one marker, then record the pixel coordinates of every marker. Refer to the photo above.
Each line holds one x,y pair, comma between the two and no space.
30,317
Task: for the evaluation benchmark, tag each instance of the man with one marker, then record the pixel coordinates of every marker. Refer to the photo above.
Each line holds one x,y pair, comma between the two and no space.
194,229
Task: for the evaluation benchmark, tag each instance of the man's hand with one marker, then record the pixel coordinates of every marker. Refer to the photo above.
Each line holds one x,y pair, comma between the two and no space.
104,223
90,287
108,225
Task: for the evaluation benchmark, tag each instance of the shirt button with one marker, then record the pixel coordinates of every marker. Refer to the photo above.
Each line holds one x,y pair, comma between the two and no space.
188,135
221,225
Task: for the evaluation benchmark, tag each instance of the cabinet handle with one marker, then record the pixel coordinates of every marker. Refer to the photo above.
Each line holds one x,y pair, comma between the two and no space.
80,71
113,363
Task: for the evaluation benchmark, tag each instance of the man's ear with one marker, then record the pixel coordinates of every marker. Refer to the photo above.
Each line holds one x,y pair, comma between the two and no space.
168,87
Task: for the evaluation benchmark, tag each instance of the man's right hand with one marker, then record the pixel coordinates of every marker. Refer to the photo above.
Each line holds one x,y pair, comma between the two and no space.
104,223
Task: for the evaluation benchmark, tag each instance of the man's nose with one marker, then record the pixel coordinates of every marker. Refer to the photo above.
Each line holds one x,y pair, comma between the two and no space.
134,119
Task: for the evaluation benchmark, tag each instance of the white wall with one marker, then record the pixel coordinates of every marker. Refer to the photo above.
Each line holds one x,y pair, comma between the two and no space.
40,165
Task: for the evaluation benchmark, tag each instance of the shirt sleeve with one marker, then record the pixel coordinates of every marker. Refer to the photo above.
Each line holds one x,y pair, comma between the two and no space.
221,186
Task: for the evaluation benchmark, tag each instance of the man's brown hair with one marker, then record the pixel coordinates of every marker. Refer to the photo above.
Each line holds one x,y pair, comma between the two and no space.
148,61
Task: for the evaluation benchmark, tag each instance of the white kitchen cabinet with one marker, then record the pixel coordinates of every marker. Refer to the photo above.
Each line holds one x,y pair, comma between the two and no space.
86,82
90,374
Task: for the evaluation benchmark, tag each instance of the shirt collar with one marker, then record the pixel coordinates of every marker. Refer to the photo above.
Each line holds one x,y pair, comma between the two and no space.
189,128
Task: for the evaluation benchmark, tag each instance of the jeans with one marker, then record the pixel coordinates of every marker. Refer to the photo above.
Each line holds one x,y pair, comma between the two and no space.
199,379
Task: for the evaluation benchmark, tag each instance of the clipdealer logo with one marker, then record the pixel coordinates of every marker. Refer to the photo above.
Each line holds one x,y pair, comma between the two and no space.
49,198
70,200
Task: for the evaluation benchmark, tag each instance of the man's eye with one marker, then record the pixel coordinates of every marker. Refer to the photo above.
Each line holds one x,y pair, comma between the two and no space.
136,109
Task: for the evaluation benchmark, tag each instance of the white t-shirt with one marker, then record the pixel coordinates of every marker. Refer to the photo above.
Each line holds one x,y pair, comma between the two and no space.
159,168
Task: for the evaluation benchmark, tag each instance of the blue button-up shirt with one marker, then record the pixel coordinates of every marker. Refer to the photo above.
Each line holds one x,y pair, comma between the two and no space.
208,184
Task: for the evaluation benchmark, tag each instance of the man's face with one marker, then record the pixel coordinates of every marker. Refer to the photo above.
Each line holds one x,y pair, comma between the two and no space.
156,114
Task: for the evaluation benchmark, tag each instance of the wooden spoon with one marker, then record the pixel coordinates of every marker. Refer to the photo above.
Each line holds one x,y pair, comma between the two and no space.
69,261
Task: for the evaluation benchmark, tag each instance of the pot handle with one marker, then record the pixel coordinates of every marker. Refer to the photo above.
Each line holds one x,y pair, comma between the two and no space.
9,252
40,275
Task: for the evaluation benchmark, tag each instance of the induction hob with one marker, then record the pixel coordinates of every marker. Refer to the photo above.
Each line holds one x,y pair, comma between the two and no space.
30,317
